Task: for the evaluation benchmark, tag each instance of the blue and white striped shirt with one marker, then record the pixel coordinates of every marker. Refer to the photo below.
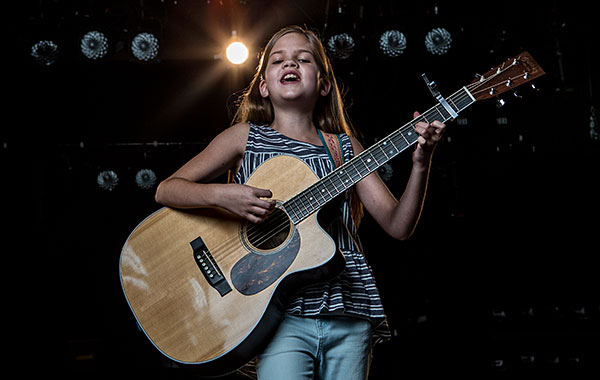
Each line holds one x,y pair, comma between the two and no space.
354,291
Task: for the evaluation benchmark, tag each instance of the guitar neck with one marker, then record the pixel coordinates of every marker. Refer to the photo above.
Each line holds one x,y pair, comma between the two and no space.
317,195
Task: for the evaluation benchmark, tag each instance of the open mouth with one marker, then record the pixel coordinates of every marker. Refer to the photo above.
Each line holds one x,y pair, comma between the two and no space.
290,78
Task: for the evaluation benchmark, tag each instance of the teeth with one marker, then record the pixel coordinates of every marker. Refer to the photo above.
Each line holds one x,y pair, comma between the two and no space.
290,76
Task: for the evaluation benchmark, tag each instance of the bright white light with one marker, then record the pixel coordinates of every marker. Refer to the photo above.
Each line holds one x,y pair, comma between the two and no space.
237,53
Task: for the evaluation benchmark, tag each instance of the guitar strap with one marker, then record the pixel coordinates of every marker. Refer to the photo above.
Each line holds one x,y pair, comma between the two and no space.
334,147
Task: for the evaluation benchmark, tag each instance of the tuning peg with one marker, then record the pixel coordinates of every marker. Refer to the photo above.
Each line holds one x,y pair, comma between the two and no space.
517,95
500,103
533,86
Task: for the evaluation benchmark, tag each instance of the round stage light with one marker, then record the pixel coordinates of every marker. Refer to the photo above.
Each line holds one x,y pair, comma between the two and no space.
144,46
438,41
94,45
341,46
45,52
237,53
392,43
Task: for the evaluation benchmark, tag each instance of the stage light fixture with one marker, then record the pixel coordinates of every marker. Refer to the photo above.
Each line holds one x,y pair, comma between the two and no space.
145,179
44,52
107,180
237,53
94,45
392,43
341,46
144,46
438,41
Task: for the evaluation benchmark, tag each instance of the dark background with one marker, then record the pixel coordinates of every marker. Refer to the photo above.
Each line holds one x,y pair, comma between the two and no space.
500,277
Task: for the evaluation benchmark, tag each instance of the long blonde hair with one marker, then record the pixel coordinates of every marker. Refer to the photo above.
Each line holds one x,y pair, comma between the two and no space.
329,114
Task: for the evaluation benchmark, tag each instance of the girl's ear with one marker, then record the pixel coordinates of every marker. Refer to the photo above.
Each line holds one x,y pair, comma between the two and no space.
262,87
324,87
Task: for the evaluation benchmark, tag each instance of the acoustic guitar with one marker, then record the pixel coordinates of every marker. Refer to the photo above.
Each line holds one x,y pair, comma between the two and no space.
209,289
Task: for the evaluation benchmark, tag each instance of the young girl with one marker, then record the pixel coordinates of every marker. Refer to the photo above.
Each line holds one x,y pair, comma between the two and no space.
328,327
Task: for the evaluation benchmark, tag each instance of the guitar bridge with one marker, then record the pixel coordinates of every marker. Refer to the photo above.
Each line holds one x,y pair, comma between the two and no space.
209,267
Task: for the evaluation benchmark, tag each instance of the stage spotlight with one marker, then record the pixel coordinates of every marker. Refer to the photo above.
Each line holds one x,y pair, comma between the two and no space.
341,46
107,180
237,53
438,41
94,45
44,52
144,46
145,179
392,43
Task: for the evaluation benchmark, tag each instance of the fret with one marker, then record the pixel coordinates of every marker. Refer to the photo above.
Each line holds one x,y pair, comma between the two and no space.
400,142
346,182
316,191
405,139
375,155
306,209
337,191
314,195
436,114
412,135
291,210
344,177
319,188
452,103
445,115
388,145
355,177
370,160
382,150
299,208
326,190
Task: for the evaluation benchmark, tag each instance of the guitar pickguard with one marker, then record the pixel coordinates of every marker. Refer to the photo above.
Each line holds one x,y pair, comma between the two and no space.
258,270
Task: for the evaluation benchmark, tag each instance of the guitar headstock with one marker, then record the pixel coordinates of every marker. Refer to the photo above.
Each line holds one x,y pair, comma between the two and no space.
505,77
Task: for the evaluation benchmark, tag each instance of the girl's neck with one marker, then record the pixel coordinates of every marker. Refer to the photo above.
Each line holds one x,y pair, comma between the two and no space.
298,126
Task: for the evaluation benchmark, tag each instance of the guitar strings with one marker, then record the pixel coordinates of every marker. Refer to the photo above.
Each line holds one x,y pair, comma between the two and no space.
260,233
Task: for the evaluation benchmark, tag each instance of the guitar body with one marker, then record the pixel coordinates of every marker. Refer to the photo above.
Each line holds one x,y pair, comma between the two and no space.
218,323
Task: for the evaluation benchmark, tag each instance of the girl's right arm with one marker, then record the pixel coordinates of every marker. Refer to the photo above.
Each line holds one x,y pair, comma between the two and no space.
190,187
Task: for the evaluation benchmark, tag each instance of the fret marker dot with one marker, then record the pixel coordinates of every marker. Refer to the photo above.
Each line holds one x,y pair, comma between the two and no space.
368,160
322,190
409,133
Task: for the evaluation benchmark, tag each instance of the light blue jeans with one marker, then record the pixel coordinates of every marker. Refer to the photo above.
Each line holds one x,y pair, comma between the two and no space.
318,348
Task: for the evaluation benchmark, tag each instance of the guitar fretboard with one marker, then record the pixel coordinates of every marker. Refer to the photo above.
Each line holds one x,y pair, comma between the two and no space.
342,178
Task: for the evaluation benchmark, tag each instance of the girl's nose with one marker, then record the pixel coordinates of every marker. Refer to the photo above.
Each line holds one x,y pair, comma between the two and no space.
290,63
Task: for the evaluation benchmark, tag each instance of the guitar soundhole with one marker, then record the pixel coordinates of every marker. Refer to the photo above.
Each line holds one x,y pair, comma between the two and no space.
271,233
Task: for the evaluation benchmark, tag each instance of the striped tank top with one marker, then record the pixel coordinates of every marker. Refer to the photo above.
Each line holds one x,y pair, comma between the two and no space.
354,291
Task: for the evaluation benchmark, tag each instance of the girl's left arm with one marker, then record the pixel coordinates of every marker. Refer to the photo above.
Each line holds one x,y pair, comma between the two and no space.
399,217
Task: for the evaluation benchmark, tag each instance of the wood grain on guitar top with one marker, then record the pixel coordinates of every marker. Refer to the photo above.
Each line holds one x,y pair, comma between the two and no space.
182,314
